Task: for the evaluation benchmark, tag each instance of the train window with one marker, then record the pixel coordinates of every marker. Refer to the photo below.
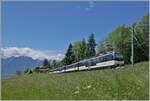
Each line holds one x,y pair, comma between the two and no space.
97,60
80,64
73,66
86,63
68,66
100,59
108,57
118,57
104,58
94,60
91,63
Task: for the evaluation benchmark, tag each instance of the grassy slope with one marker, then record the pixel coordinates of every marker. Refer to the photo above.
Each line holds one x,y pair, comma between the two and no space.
122,83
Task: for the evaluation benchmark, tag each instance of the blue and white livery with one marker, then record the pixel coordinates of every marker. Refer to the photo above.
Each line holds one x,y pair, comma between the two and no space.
108,60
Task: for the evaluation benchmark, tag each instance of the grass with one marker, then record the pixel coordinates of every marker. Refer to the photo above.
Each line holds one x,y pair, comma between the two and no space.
121,83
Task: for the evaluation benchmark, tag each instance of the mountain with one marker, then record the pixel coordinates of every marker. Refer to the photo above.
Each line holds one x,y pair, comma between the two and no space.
12,64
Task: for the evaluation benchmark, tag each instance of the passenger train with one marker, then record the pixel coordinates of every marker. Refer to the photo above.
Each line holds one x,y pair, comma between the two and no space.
108,60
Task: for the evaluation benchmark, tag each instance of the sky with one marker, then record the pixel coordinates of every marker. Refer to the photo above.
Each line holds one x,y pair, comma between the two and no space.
50,26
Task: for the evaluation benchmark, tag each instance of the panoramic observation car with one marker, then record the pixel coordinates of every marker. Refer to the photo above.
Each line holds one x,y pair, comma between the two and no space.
108,60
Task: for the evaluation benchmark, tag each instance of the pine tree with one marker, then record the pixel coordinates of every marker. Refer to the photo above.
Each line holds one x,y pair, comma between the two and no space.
69,56
45,62
91,44
83,49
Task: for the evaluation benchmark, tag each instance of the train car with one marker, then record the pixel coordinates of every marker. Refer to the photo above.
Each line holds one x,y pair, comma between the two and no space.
108,60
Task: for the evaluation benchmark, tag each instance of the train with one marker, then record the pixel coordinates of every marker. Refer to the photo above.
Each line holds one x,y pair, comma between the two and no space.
108,60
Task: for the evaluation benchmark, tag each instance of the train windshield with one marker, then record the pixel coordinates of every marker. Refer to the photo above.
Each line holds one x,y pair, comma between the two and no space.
118,57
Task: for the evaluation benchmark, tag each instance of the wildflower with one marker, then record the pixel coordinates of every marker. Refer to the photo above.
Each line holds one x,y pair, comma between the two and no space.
89,86
76,92
77,87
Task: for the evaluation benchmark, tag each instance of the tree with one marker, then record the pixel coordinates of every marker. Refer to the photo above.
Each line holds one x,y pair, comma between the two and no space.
53,64
79,49
104,47
121,39
91,44
83,49
75,53
37,69
45,62
69,56
28,71
118,40
142,32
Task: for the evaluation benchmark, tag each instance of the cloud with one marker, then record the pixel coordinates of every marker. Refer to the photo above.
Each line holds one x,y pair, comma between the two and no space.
34,54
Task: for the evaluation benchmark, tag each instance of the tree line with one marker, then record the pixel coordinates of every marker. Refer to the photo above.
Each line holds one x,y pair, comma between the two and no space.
77,51
118,40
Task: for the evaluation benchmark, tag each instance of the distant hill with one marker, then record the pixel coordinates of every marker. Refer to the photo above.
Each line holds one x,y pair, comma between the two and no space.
12,64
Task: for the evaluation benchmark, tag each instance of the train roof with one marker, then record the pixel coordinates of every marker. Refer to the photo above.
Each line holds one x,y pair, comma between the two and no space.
100,55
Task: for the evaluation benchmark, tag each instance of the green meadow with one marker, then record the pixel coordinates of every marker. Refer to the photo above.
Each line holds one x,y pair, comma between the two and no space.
126,82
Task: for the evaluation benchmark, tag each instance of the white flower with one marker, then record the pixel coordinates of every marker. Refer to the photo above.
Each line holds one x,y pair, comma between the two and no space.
76,92
77,87
89,86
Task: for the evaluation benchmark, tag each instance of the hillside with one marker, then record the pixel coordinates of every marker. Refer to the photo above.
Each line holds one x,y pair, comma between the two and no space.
119,83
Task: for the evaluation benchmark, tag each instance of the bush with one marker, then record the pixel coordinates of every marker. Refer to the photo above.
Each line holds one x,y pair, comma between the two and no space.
28,71
36,69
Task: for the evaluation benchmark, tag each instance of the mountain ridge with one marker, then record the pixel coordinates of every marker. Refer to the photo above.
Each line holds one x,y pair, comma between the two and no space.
12,64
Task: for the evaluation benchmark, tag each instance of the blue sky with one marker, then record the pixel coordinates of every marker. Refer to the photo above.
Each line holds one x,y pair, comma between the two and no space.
53,25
